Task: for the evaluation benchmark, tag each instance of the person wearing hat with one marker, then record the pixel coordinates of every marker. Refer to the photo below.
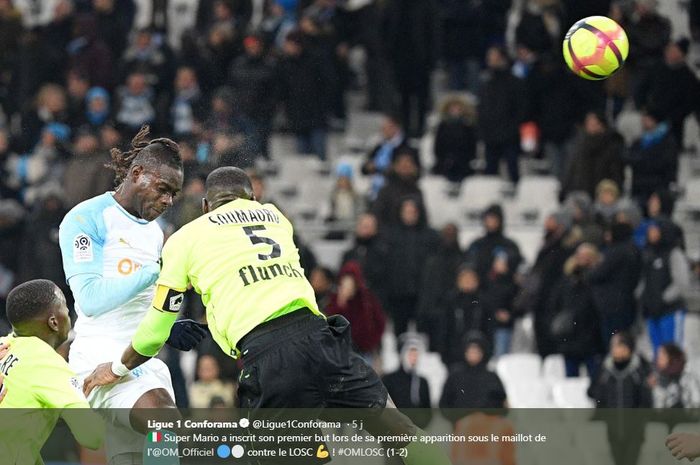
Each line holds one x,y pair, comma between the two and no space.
673,87
345,203
406,387
481,252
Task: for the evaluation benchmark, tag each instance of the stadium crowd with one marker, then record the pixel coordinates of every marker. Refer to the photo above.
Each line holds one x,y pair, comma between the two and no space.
222,77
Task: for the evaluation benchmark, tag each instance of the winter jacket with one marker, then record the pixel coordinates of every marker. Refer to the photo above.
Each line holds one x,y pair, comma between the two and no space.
573,318
464,313
363,311
253,81
408,249
594,158
482,252
665,276
304,91
371,255
502,108
622,386
498,293
654,162
614,280
455,148
469,387
387,205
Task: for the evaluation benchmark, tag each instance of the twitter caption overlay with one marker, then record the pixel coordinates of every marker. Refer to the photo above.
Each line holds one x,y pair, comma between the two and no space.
353,436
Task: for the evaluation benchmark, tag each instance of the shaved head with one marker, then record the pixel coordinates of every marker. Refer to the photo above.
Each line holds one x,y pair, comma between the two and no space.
226,184
38,308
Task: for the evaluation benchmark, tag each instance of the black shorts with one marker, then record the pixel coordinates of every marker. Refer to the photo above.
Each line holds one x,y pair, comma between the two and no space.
303,361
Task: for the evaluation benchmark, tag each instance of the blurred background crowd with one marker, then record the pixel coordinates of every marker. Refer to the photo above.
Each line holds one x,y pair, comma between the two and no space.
486,220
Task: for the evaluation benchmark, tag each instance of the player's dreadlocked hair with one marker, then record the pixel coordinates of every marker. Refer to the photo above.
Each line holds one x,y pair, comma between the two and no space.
144,152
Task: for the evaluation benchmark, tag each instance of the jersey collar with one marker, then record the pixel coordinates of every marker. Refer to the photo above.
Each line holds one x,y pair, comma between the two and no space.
123,210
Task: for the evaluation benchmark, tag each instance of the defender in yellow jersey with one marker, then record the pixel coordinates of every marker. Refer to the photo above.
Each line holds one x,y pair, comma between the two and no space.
40,386
241,258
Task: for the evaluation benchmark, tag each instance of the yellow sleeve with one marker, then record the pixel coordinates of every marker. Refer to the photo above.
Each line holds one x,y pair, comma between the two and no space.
155,327
56,386
175,258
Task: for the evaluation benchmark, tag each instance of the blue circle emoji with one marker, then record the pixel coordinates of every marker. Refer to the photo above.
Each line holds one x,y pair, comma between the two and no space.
223,451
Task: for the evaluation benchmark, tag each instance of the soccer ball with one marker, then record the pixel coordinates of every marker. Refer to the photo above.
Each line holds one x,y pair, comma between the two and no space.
595,47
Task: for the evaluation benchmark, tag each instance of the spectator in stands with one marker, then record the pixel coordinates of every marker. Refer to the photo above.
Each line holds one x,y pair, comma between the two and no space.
38,251
304,91
539,284
439,277
410,40
209,385
252,78
498,293
51,106
622,384
653,158
96,107
455,140
573,324
650,32
152,58
379,159
501,111
463,43
409,244
470,384
659,208
361,307
672,386
402,181
672,88
614,280
87,164
114,19
537,25
77,86
322,281
406,387
345,203
464,312
584,227
665,280
135,103
7,190
482,251
88,54
607,201
596,155
371,252
187,104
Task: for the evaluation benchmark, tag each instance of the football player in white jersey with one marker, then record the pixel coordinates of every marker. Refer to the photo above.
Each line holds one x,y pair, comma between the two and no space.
111,249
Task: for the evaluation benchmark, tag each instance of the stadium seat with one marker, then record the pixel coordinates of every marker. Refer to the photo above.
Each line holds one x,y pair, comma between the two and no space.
529,240
629,123
361,128
329,253
536,196
527,393
571,393
441,200
553,368
427,153
518,367
431,367
690,203
478,192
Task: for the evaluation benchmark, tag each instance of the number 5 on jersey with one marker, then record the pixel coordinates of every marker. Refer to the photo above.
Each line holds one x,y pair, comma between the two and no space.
255,240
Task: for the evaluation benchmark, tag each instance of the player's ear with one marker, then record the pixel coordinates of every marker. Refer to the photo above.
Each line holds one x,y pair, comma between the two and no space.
53,323
135,171
205,205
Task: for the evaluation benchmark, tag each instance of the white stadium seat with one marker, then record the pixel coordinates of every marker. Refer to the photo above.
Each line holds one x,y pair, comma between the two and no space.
536,197
571,393
479,192
518,367
553,367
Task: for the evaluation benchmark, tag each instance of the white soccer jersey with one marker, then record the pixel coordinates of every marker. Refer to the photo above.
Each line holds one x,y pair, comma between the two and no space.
99,237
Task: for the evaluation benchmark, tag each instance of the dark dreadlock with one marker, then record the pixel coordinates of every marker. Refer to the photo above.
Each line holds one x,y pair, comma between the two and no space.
144,152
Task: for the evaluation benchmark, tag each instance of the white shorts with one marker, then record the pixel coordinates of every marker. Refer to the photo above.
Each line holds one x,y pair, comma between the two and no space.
153,374
115,402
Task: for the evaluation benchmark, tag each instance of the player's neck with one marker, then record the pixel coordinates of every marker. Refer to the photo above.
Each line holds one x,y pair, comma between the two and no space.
49,338
124,198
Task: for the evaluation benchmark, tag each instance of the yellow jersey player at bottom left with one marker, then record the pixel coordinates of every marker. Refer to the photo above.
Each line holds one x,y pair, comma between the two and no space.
38,386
